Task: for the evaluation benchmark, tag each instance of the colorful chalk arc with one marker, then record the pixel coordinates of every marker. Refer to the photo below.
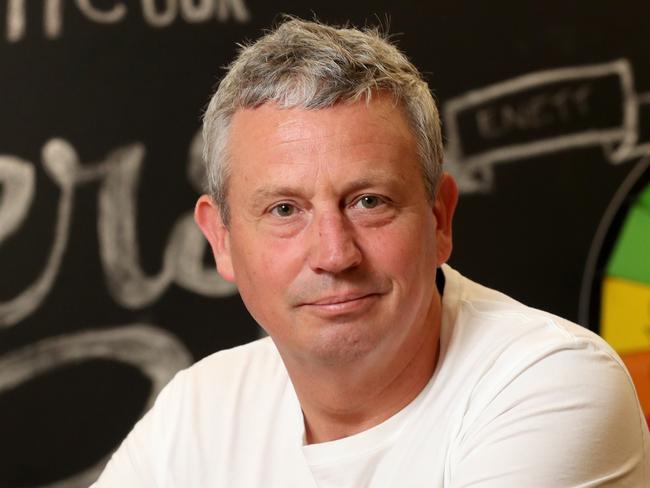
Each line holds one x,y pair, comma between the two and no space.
624,282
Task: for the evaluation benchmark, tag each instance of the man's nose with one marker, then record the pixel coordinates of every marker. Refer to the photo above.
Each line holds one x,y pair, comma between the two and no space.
333,247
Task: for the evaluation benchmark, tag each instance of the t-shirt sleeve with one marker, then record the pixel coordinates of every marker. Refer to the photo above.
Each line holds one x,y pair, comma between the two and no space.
568,419
140,461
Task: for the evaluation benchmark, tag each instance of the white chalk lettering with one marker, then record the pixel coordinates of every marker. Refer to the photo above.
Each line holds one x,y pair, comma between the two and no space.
52,18
158,18
116,226
239,10
111,16
151,350
154,14
197,13
538,111
15,19
59,161
119,246
17,181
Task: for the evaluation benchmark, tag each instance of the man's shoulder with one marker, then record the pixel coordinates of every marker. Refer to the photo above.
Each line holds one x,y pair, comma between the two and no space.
494,316
507,349
234,376
511,338
529,388
210,420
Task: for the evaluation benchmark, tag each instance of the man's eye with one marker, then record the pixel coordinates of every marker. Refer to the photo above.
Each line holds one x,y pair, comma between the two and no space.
283,210
369,201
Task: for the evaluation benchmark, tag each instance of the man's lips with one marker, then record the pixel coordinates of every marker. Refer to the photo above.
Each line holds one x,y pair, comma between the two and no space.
338,299
341,304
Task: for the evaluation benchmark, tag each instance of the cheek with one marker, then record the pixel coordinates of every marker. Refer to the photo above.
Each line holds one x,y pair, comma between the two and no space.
264,270
404,251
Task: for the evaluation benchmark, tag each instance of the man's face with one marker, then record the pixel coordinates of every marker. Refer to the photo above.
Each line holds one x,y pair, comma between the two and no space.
332,241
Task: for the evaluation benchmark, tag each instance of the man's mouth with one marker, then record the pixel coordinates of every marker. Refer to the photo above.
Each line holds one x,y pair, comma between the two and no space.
340,304
339,298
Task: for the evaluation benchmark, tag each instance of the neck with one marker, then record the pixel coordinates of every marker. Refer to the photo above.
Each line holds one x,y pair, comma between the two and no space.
341,401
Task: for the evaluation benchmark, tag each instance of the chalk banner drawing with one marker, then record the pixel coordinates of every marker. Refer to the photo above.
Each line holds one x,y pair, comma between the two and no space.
153,351
543,112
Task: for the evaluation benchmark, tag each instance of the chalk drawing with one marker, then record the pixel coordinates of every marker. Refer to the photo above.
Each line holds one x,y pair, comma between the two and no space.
116,227
60,161
17,181
543,112
182,259
151,350
104,16
237,7
201,11
192,11
156,17
599,239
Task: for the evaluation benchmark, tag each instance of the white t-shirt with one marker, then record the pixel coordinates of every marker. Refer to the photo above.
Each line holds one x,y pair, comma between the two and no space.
351,462
519,398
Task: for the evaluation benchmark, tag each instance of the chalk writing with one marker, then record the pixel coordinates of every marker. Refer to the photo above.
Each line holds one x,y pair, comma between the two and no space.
116,223
544,112
17,181
151,350
192,11
58,162
535,112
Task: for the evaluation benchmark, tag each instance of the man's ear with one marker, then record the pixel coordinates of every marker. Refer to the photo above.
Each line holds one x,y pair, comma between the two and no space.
208,217
443,209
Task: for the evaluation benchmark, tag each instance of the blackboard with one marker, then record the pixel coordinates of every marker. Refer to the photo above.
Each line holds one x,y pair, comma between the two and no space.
106,287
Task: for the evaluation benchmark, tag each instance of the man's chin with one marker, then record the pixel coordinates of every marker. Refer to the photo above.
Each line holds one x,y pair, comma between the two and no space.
340,343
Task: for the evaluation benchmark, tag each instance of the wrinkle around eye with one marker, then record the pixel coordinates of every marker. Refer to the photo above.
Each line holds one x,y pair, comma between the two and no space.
381,203
290,223
382,213
277,210
358,203
283,226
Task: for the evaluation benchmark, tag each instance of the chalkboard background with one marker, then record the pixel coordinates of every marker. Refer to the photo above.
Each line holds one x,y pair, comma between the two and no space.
105,288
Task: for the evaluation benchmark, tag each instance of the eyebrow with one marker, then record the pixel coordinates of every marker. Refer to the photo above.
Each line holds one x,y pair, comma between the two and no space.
275,191
268,192
377,179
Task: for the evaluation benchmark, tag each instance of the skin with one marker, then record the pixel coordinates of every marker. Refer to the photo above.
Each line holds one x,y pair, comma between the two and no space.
333,245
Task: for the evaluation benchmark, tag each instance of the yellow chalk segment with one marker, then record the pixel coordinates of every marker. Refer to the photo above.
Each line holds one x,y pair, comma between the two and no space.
625,314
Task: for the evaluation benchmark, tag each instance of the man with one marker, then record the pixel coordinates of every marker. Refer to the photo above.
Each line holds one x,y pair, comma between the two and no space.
384,366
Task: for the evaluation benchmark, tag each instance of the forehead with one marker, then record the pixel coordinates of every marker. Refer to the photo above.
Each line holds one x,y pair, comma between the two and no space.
308,146
379,120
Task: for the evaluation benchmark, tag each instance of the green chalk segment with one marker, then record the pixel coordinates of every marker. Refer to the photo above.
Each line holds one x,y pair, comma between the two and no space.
630,258
644,198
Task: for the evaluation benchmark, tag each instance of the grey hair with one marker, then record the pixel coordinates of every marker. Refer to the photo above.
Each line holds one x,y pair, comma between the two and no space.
312,65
